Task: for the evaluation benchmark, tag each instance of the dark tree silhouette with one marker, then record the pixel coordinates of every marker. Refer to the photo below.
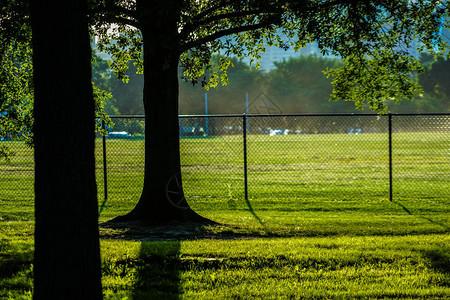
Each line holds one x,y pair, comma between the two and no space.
67,255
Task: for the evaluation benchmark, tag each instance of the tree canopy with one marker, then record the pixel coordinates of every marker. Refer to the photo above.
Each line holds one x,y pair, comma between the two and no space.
375,39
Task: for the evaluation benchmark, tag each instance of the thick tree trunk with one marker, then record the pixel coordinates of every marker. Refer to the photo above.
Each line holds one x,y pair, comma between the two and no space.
67,253
162,198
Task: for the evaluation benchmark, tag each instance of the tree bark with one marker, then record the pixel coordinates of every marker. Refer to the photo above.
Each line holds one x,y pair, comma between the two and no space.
162,198
67,253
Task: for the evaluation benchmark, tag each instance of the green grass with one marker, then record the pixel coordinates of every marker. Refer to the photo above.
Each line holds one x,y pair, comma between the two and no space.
318,222
337,267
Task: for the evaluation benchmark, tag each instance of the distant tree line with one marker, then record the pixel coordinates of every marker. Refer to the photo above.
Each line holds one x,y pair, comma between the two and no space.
296,85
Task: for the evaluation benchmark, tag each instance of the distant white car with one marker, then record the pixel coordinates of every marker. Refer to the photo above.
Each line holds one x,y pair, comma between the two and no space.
118,134
275,132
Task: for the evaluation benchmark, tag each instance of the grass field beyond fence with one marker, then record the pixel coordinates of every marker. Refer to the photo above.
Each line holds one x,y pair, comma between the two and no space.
318,222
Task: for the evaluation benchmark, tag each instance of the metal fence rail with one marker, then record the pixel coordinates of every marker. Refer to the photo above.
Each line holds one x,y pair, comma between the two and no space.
300,156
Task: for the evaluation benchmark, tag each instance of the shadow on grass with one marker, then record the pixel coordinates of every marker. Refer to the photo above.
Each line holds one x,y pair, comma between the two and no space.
158,271
250,208
409,212
16,273
439,259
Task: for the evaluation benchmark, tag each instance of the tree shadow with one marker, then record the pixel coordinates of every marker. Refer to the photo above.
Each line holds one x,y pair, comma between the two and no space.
158,271
16,270
409,212
439,259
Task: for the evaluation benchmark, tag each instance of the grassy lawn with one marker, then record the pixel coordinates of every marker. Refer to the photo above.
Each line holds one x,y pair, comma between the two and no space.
337,267
318,222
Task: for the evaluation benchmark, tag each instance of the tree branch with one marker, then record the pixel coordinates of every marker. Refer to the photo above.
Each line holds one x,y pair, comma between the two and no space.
221,33
213,8
230,15
125,21
199,20
116,14
191,27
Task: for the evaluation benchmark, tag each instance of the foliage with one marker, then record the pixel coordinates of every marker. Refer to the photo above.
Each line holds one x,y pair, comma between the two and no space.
16,89
241,78
100,98
380,80
298,85
374,39
128,94
16,78
435,82
295,85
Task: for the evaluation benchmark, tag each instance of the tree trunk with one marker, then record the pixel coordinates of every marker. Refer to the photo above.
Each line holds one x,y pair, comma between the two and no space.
162,198
67,252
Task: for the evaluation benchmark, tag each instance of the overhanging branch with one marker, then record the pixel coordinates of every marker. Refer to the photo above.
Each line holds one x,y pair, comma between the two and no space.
221,33
115,14
210,10
202,19
216,18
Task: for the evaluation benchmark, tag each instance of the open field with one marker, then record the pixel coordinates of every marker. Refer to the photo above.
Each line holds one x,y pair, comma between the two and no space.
318,222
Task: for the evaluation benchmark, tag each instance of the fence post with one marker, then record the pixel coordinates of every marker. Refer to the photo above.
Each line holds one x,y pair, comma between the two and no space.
206,113
244,131
246,110
105,178
390,156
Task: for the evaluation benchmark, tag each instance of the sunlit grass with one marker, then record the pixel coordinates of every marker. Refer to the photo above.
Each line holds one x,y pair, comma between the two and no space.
338,267
318,222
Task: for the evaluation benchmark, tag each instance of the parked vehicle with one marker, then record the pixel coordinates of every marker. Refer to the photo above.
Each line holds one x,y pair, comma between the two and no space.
118,134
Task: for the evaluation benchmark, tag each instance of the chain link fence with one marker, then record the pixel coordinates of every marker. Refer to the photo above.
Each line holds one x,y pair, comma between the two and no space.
120,158
317,157
421,157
